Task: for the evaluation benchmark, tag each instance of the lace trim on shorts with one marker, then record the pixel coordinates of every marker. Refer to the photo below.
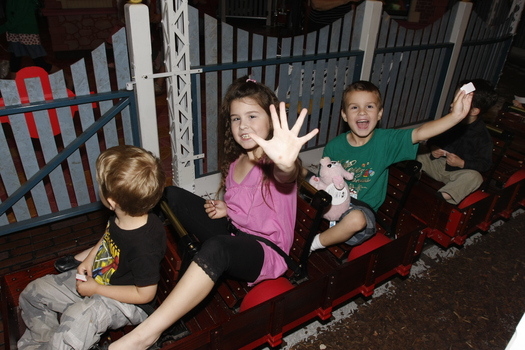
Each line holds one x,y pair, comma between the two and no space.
206,268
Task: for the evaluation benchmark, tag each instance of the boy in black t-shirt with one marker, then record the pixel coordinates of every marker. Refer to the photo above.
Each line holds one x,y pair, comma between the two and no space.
121,271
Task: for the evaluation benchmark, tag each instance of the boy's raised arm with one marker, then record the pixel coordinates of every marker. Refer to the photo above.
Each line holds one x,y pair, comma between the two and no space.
460,109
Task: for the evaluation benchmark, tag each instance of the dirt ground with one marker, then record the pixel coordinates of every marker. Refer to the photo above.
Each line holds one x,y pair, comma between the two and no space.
473,300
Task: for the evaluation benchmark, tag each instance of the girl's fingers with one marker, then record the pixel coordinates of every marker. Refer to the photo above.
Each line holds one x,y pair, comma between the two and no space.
275,118
258,140
299,122
283,116
309,136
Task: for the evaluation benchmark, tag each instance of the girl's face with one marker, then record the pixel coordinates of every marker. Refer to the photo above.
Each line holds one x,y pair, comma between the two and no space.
246,116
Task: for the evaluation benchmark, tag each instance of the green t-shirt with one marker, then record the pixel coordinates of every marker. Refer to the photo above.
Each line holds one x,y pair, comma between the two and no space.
370,162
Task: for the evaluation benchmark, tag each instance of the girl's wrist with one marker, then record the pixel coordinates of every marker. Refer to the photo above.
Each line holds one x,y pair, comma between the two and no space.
286,175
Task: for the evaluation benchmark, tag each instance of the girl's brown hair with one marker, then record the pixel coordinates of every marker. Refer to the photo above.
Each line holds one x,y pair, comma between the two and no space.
239,89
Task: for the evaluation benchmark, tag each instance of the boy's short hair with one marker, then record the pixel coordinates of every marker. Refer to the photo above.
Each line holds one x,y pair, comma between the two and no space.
485,96
363,85
132,177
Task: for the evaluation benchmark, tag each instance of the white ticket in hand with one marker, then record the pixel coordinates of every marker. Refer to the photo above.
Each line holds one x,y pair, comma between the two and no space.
468,88
81,277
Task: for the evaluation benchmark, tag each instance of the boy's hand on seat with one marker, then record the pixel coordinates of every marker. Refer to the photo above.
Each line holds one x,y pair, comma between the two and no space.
215,209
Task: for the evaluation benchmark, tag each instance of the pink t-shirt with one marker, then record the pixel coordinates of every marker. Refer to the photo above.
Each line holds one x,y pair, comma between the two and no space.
267,210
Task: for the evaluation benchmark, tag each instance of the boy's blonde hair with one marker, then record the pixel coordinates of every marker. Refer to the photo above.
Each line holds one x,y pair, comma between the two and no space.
132,177
363,85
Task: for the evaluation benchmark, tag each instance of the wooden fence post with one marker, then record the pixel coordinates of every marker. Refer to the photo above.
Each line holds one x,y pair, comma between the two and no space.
368,19
139,44
461,17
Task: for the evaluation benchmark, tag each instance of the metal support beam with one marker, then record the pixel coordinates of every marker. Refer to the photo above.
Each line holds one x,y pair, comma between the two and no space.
177,60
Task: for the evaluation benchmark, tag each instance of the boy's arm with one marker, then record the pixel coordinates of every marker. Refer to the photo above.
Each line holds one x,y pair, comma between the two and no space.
125,294
460,109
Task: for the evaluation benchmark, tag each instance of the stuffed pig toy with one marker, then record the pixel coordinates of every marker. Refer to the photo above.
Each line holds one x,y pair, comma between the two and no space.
332,180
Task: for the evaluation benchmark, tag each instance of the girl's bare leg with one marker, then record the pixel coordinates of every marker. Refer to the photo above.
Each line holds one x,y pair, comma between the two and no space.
193,287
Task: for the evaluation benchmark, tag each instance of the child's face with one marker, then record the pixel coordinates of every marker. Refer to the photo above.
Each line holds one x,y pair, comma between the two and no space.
248,117
361,112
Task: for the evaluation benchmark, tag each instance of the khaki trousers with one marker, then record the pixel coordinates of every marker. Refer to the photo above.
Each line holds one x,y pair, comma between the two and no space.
458,183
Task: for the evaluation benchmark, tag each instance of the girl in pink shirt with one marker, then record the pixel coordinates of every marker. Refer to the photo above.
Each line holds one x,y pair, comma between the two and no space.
259,175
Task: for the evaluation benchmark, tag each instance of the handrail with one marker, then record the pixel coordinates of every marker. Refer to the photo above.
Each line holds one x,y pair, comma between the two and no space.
125,99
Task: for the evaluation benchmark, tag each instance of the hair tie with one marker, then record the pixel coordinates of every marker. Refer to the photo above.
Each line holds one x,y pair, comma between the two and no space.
252,80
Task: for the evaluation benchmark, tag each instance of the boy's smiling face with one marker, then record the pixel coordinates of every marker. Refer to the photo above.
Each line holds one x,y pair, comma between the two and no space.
362,112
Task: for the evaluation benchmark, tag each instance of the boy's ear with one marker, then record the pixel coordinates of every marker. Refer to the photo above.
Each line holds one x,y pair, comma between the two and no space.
112,204
474,111
343,115
380,114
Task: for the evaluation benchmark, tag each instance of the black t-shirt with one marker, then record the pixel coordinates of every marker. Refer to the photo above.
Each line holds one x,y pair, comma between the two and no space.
131,257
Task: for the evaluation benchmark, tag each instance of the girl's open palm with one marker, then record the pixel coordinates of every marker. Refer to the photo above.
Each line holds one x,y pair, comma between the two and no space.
285,145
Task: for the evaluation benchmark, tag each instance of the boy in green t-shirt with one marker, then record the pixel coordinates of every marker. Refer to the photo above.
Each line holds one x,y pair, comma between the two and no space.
368,153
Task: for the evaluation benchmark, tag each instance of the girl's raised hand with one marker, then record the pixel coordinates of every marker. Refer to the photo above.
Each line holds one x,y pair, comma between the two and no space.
285,145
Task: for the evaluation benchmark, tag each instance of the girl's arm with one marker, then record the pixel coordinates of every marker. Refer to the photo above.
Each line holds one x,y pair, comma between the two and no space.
285,145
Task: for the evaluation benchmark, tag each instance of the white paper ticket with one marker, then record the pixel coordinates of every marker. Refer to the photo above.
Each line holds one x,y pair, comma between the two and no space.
81,277
468,88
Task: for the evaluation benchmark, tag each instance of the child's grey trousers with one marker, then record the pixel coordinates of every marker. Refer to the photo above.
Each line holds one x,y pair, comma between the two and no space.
57,317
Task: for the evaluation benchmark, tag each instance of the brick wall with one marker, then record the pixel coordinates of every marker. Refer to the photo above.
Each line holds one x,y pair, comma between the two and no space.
79,29
49,242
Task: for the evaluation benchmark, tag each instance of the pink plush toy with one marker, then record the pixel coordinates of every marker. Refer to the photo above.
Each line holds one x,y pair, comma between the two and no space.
332,180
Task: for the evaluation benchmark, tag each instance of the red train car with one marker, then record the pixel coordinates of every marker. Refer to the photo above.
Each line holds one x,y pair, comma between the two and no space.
235,316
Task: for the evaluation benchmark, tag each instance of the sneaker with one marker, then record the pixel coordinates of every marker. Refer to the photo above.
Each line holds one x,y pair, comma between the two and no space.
66,263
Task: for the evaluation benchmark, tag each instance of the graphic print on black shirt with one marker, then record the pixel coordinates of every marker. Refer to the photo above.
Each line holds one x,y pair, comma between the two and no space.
106,260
